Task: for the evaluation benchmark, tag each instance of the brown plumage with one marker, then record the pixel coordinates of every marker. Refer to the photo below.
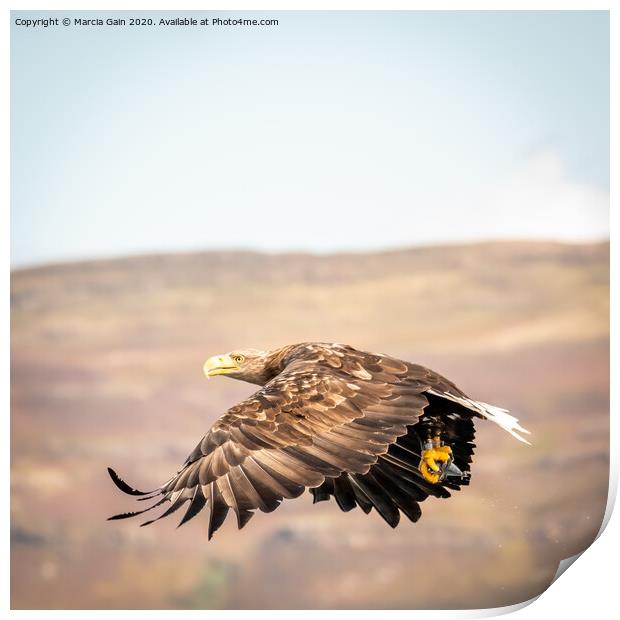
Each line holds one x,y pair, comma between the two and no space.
338,421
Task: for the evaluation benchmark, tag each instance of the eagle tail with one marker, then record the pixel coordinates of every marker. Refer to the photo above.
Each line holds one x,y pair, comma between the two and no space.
499,416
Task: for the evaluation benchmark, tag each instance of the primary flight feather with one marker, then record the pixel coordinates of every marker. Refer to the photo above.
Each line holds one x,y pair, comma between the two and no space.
369,430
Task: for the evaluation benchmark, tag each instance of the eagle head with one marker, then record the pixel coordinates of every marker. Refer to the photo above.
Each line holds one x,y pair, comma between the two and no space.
249,365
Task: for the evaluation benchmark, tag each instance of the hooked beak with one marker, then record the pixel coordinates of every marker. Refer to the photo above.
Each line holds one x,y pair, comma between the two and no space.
219,365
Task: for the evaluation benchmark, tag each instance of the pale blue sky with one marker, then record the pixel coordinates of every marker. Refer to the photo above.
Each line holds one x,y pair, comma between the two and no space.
330,132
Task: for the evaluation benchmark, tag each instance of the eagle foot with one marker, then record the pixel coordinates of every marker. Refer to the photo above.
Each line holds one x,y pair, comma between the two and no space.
437,462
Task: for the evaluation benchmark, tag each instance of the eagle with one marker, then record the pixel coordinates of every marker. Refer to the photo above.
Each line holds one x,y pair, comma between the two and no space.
367,429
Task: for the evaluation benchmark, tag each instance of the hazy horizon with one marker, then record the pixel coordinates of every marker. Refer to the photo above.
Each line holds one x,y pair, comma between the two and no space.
292,252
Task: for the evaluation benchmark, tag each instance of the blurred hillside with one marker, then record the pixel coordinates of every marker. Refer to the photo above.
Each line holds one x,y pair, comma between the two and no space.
106,370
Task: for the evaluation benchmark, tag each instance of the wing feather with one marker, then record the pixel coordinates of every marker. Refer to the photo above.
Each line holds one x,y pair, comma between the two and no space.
197,503
219,509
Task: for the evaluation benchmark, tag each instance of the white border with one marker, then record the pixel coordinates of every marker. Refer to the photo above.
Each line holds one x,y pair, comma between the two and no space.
588,588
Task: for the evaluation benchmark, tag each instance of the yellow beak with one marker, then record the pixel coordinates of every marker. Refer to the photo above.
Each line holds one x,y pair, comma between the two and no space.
219,365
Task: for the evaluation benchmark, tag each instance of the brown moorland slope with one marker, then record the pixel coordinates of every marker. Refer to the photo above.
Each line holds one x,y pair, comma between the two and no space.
106,363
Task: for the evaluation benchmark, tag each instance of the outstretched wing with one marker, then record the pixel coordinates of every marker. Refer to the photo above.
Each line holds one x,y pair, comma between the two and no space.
335,410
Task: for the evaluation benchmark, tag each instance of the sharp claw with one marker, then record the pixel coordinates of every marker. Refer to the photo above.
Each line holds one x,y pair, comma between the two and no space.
427,475
429,468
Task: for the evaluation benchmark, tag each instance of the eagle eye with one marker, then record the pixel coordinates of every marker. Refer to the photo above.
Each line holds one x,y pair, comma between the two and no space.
237,358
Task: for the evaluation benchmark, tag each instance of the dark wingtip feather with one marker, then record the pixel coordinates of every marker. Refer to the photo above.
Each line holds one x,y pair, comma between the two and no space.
244,517
319,495
123,515
128,515
146,498
123,486
219,511
345,498
175,506
196,505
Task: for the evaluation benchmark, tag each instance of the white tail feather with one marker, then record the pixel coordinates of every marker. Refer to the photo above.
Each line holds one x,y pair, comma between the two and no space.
500,416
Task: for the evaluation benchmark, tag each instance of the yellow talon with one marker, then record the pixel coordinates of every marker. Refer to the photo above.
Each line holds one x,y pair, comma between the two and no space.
428,475
429,466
